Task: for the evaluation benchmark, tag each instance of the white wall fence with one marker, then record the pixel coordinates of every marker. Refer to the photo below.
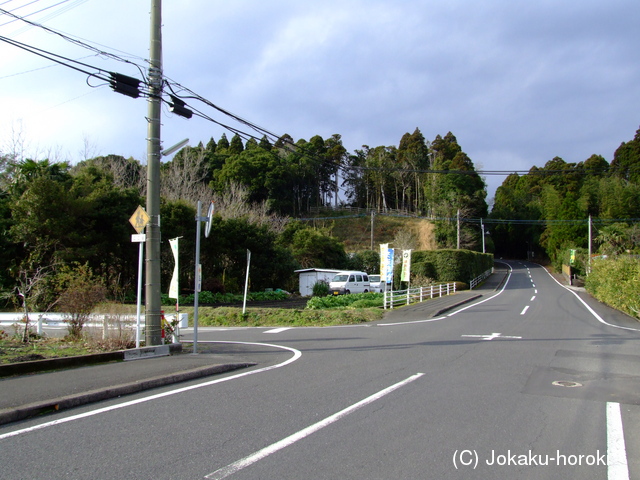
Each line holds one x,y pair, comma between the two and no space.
108,322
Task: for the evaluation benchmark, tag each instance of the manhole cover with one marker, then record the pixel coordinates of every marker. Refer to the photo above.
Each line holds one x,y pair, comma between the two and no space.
566,383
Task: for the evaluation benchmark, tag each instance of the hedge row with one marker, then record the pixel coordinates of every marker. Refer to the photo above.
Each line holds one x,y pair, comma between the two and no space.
616,282
450,265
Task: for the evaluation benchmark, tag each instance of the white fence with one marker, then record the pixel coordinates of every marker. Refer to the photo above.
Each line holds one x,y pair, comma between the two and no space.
418,294
479,279
39,321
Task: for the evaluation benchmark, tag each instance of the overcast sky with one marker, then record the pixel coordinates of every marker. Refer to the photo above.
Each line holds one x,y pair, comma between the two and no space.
516,82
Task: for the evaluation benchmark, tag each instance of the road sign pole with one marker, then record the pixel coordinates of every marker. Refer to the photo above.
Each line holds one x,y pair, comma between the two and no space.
139,300
197,281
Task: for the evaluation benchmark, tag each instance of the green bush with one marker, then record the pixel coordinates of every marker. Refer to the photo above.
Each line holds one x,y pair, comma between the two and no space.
450,265
616,282
320,289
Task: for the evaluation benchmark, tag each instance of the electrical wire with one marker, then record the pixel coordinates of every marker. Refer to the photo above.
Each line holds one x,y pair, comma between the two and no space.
79,43
16,17
184,93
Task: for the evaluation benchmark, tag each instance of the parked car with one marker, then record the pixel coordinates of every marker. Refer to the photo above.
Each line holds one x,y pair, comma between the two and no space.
375,283
347,282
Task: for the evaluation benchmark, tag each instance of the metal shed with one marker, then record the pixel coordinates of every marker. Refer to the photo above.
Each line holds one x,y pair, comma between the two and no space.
310,276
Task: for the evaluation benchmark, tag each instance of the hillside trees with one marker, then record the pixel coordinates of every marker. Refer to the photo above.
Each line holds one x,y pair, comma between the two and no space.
52,214
446,194
562,196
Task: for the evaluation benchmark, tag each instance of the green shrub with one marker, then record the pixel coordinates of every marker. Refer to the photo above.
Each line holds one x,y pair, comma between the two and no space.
450,265
616,282
320,289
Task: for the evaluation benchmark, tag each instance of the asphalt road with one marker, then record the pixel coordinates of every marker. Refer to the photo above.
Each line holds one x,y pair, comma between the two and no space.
530,383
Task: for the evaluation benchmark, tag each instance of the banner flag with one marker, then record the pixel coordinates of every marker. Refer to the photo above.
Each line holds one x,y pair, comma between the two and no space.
406,266
390,260
173,286
384,247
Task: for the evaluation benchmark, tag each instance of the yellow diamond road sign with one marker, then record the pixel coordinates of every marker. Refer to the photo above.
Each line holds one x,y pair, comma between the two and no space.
139,219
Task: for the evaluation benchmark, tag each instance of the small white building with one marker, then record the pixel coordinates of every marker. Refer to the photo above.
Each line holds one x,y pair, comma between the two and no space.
310,276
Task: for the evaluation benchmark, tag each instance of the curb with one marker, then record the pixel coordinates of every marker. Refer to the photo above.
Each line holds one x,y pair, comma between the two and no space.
23,412
455,305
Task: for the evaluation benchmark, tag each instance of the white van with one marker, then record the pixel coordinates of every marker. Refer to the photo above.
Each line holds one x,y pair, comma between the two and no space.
376,284
349,282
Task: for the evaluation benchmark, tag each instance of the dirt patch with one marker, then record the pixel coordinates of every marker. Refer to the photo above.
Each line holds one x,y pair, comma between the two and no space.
425,231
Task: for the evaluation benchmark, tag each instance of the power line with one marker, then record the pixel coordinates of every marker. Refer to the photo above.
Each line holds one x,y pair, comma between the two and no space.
16,17
76,42
489,221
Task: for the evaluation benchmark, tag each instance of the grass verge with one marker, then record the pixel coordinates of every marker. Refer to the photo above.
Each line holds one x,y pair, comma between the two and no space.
281,317
13,350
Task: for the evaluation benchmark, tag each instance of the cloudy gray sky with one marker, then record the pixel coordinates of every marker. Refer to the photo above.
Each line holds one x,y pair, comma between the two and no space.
516,82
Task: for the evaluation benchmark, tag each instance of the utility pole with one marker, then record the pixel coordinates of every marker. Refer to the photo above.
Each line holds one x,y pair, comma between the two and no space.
373,214
458,229
589,251
153,305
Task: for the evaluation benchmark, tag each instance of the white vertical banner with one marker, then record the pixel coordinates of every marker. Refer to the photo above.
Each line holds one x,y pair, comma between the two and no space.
405,275
384,247
173,286
246,283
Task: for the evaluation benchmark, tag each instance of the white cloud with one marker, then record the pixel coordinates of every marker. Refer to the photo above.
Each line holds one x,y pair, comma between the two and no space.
530,81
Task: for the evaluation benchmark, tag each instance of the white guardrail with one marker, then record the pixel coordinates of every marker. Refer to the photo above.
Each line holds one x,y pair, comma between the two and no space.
479,279
418,294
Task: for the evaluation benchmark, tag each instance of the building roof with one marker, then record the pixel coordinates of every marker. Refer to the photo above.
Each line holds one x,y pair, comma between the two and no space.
317,270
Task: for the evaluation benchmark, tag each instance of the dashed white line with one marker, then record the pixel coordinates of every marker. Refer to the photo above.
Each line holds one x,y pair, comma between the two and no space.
291,439
524,310
532,298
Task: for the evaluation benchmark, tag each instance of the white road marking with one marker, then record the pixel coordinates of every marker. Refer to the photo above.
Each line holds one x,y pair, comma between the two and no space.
277,330
532,298
291,439
617,468
296,355
411,321
490,337
591,310
486,299
524,310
